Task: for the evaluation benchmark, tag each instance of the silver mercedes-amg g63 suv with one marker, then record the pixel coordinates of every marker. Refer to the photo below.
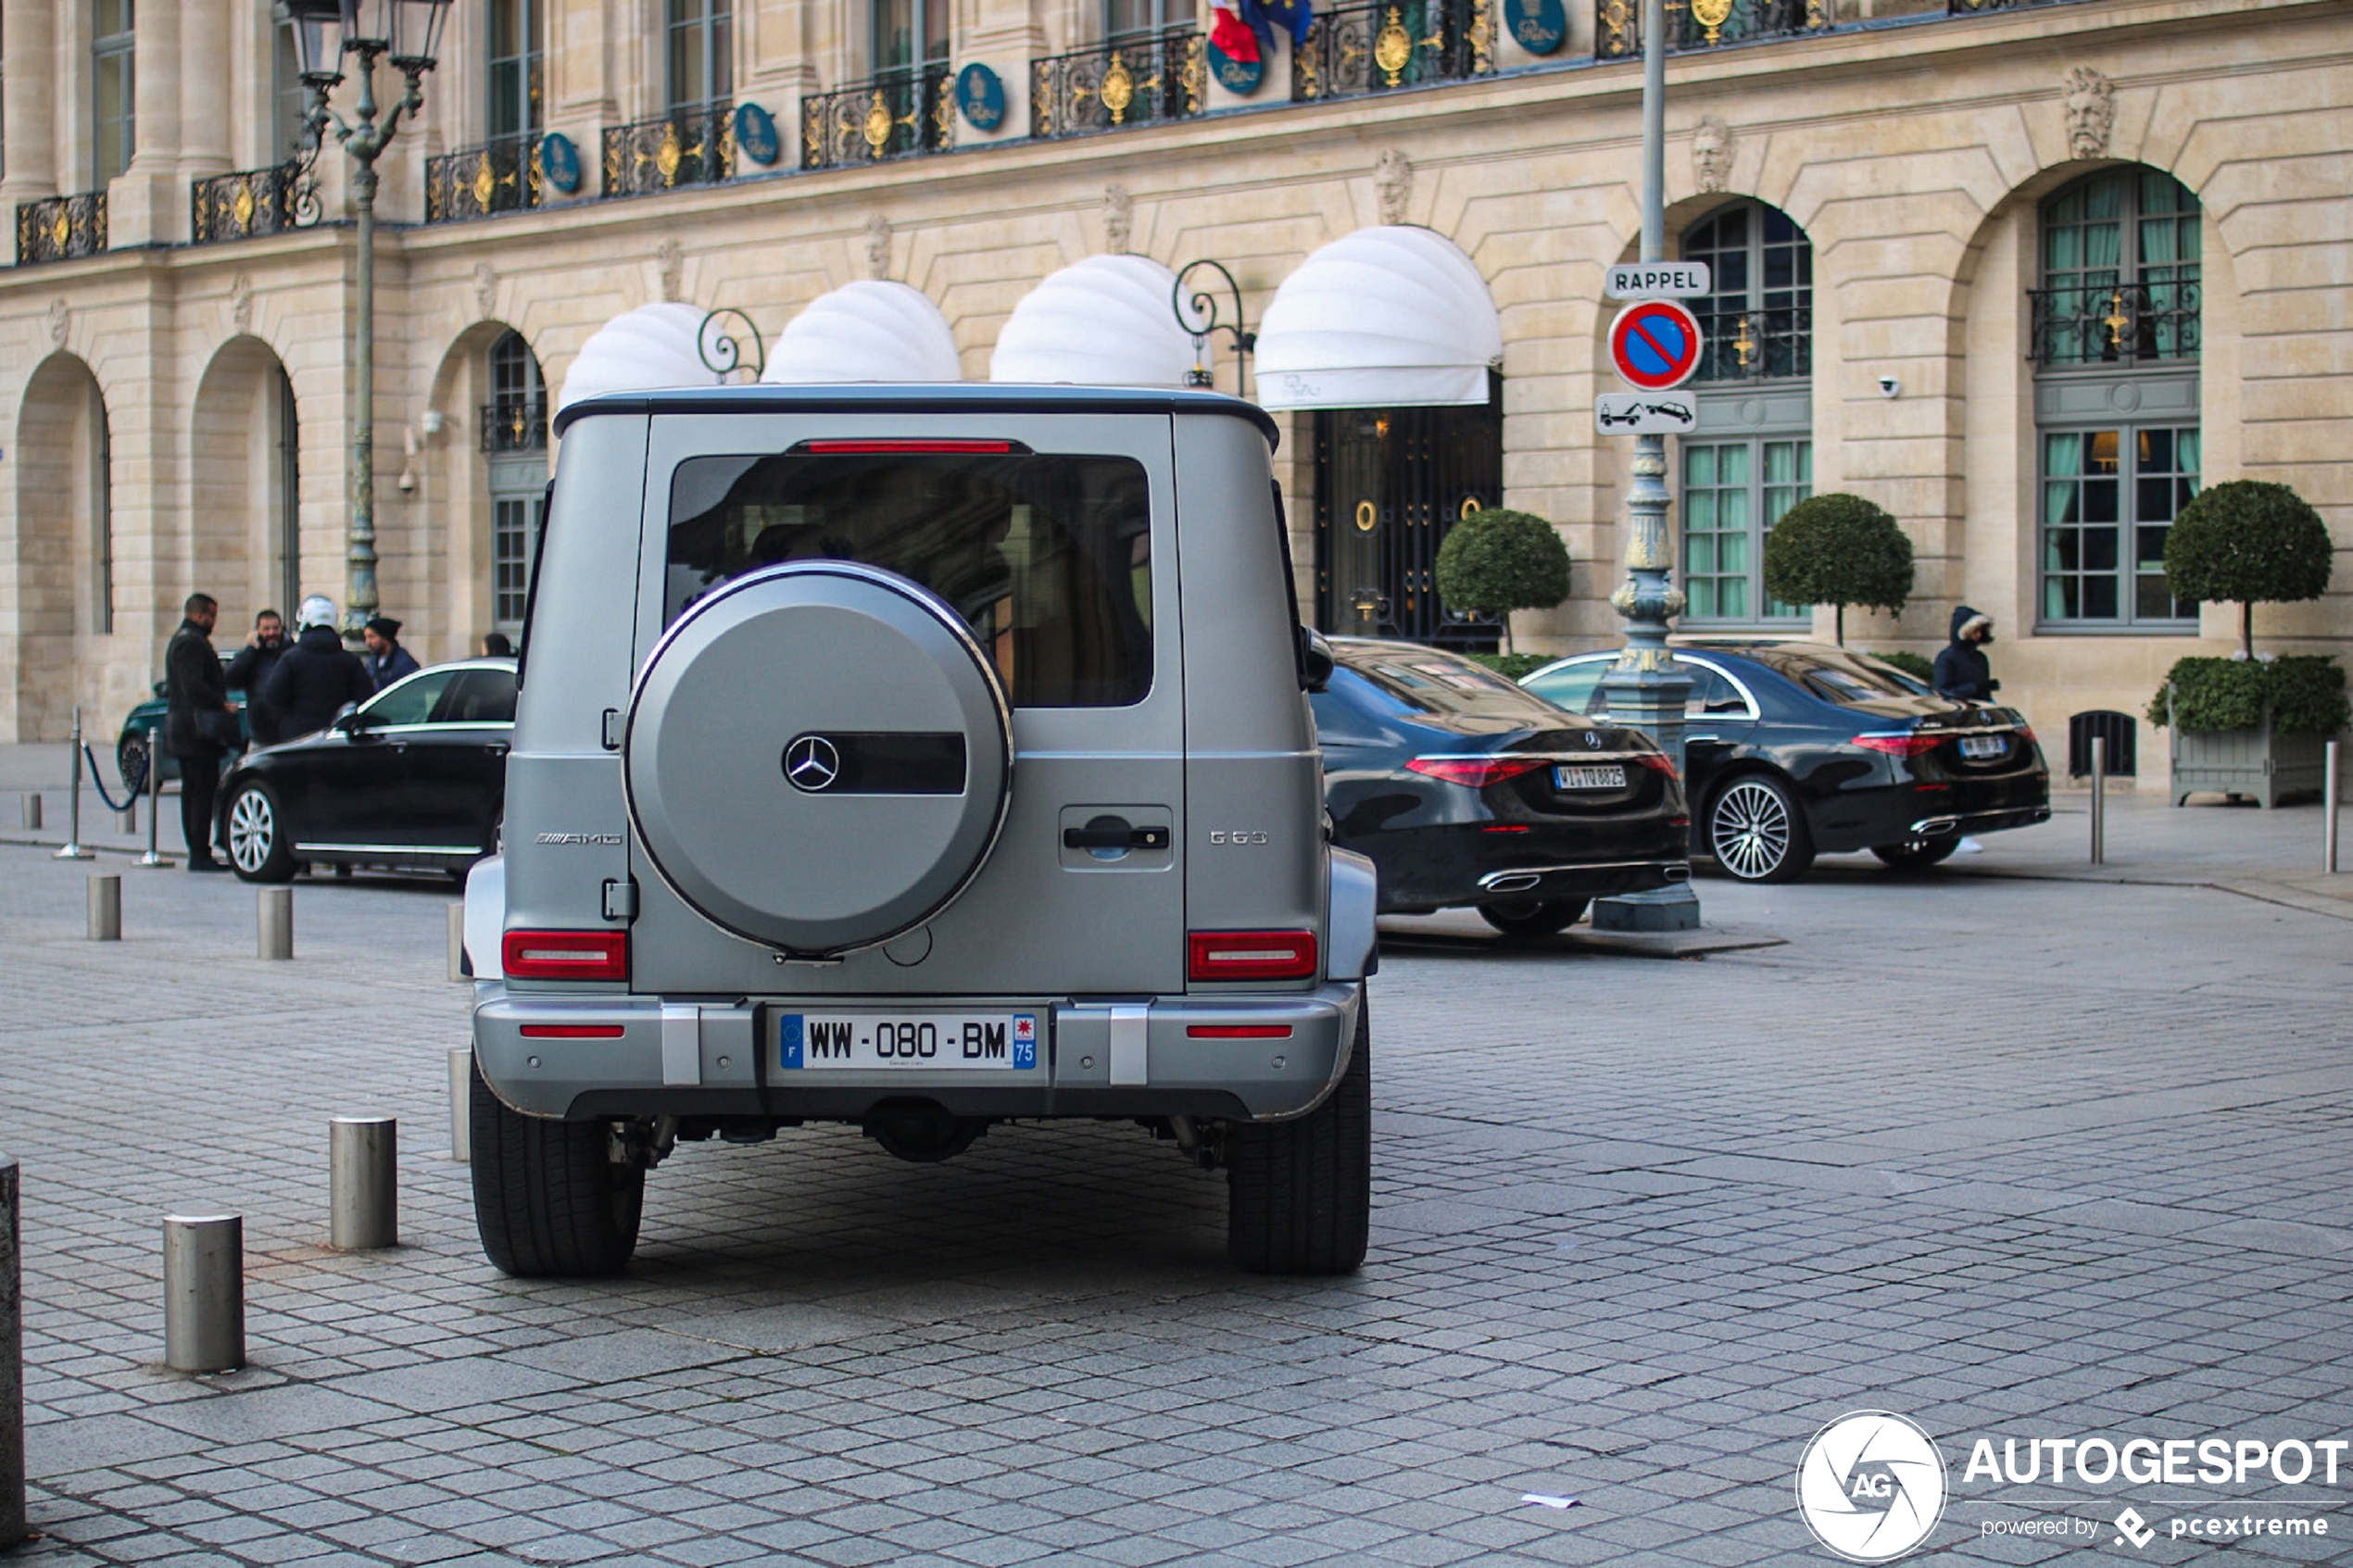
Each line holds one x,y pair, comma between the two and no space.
919,758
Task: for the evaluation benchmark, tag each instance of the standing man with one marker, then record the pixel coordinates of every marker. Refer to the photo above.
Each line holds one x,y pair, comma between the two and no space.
387,660
317,677
249,672
1962,669
198,724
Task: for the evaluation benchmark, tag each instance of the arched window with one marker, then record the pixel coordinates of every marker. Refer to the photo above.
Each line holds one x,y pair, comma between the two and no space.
514,431
2115,344
1752,458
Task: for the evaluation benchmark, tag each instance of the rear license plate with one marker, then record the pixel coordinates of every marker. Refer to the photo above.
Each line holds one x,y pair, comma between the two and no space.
1612,777
870,1042
1976,748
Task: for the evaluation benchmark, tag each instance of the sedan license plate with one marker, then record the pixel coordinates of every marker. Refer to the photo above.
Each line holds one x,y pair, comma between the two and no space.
869,1042
1591,777
1976,748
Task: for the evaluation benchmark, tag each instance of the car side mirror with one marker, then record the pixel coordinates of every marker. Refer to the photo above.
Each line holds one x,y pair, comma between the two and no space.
352,721
1314,659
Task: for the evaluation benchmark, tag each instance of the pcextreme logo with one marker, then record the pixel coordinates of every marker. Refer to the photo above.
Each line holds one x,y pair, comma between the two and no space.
1871,1487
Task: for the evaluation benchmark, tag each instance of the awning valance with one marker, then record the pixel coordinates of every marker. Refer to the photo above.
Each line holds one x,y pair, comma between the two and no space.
867,331
1106,322
1395,316
648,349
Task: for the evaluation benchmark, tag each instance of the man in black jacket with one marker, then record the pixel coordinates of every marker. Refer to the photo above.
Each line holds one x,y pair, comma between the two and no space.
249,672
1962,669
317,676
197,724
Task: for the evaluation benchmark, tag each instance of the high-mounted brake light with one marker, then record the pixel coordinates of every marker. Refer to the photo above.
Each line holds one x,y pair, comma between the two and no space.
1475,772
1249,954
565,955
1899,742
832,448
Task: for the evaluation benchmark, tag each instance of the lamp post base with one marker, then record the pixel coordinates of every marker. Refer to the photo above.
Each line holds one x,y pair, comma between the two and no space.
1674,907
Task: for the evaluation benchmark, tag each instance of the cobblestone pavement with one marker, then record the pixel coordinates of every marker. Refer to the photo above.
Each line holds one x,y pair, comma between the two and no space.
2011,1157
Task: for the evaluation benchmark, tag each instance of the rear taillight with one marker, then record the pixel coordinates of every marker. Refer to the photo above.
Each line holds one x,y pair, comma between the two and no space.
2028,731
565,955
1237,1031
1656,761
573,1031
1249,954
1899,742
1475,772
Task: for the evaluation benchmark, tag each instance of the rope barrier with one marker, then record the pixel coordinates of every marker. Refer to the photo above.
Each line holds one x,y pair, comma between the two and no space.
135,781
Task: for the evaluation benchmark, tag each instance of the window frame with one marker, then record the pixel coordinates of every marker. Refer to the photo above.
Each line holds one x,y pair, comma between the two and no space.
920,15
525,113
113,50
2127,622
713,26
1757,485
2132,267
1754,299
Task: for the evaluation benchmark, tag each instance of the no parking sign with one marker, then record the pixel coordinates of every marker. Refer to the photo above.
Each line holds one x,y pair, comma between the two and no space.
1655,344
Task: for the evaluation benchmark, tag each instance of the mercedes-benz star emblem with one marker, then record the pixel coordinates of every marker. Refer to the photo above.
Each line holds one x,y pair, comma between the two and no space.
811,763
1592,740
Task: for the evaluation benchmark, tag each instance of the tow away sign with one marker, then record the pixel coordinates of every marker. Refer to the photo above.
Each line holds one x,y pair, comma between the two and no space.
1645,413
1657,279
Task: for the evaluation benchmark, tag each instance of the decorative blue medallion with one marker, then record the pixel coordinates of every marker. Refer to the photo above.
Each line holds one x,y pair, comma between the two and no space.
1539,26
1239,77
980,97
560,161
756,134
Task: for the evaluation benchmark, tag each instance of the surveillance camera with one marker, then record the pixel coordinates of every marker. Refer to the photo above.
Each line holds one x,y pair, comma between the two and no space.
430,421
1890,387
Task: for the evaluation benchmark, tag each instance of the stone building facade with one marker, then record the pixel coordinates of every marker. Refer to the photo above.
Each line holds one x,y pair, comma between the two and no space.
2024,275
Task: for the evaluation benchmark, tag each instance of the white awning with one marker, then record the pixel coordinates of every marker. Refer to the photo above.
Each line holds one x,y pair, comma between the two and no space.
648,349
866,332
1107,321
1395,316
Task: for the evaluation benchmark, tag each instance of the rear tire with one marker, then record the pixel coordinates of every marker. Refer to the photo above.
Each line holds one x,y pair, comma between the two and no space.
1919,854
1534,917
1299,1195
260,840
548,1199
1757,831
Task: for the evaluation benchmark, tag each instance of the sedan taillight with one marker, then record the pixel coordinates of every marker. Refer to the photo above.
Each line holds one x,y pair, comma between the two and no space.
1657,761
565,955
1474,773
1249,954
1899,742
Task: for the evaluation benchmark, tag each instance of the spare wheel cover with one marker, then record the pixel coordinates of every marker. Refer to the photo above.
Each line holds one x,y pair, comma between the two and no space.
894,728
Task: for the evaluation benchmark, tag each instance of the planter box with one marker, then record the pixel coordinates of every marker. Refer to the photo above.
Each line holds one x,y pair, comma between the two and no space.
2260,763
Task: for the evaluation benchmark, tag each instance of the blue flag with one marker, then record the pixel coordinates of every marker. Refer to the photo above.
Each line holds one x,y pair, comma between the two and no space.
1294,17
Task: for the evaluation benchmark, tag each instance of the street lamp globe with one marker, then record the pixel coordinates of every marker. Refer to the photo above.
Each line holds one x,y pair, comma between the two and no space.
408,30
317,31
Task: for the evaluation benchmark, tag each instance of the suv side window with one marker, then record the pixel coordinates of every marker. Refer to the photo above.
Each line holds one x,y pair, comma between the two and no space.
1047,557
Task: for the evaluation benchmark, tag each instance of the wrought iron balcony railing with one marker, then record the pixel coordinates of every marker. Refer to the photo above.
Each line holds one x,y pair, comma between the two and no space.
1745,344
514,424
1132,82
683,147
253,201
1357,49
2115,323
61,228
892,116
1706,24
501,176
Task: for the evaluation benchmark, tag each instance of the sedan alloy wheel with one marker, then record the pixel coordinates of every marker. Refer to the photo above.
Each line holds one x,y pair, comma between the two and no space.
1757,832
258,839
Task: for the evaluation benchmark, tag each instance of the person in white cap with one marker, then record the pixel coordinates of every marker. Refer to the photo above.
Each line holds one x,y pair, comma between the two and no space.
318,676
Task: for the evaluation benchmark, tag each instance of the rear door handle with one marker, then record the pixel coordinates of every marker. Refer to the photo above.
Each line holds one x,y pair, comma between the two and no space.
1114,833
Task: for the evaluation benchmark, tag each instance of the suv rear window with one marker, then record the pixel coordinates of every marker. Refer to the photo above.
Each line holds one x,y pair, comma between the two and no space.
1047,558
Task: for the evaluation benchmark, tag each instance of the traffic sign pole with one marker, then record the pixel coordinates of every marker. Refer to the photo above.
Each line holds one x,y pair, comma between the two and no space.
1646,687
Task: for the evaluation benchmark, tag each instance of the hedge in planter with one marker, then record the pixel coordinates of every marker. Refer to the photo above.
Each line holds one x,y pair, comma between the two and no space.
2249,727
2248,542
1496,561
1839,550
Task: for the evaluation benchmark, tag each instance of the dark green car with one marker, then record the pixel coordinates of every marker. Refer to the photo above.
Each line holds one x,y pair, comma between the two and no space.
140,724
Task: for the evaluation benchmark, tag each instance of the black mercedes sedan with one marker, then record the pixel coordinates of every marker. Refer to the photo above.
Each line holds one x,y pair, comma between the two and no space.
415,778
1465,790
1796,750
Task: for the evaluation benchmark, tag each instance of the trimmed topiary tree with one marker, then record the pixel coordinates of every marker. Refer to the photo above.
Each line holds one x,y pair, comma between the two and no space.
1496,561
2248,542
1839,550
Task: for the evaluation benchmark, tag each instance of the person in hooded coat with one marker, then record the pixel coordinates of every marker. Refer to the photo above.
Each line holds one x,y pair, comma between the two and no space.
316,677
1962,669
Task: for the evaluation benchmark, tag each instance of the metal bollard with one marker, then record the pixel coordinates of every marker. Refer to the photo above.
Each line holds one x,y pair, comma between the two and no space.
154,797
106,908
275,919
460,966
12,1522
462,1095
72,849
2330,779
126,822
203,1292
2099,800
33,811
363,1171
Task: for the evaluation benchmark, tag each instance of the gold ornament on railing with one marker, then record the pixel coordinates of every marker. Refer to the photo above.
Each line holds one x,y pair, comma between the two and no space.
1119,89
1742,345
1393,49
2116,321
877,123
486,181
667,155
1712,15
242,207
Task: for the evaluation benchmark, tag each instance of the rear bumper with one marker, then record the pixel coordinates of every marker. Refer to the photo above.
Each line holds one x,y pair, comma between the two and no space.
1449,867
1945,826
1123,1057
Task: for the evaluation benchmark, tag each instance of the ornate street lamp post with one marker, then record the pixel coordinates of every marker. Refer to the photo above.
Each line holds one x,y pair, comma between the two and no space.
1647,688
1197,311
409,32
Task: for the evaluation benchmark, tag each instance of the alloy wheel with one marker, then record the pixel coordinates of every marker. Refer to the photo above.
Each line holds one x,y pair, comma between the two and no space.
1750,832
253,832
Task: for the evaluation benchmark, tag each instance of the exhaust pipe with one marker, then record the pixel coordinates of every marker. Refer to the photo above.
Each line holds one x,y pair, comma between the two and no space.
1517,881
922,1130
